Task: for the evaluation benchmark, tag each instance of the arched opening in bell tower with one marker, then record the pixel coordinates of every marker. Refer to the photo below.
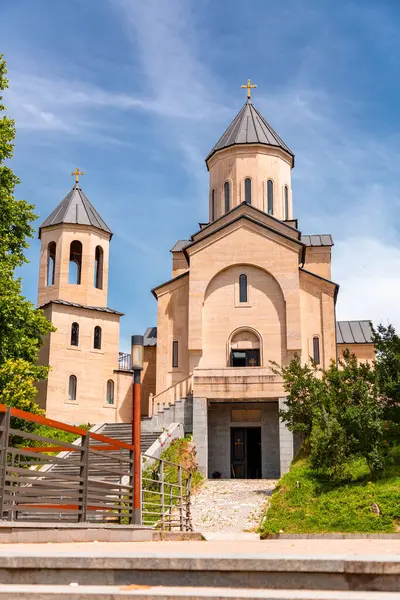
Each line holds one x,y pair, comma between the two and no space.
51,263
98,268
75,262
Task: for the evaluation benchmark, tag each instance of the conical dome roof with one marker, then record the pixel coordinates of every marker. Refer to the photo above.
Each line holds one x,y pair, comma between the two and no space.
75,209
249,127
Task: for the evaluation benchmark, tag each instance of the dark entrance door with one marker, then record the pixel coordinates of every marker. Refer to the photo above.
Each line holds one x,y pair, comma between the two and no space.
246,453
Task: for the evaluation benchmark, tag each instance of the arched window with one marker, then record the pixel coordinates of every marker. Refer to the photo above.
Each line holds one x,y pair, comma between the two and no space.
270,197
286,202
316,356
110,392
75,262
213,205
72,387
242,288
97,338
245,349
227,195
247,190
74,334
51,262
98,268
175,354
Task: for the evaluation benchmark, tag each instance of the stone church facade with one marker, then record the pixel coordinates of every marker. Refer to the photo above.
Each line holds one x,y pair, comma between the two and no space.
247,288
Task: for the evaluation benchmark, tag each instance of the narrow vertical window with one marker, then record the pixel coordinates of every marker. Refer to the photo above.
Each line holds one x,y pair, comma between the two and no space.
110,392
286,202
98,268
72,387
97,338
75,262
175,361
51,262
74,334
243,288
213,205
270,197
247,190
227,194
316,356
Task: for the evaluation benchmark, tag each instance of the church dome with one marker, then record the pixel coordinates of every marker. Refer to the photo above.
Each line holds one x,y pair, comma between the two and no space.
249,127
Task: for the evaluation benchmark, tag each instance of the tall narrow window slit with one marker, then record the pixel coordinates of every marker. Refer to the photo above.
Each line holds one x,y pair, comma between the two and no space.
74,334
247,190
270,197
227,194
242,288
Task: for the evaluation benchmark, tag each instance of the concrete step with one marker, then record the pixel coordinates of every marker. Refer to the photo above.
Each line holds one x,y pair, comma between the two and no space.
88,592
160,566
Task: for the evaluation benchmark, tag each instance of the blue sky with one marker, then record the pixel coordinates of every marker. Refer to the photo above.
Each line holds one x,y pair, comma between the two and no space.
135,93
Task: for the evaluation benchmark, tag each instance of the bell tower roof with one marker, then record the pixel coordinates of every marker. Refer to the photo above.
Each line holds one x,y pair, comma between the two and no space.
76,209
249,127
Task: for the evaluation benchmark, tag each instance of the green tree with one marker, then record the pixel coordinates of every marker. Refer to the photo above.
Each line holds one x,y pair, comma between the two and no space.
22,326
303,391
338,411
387,360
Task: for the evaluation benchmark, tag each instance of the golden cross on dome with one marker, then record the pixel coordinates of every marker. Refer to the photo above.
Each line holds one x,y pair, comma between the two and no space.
249,87
77,172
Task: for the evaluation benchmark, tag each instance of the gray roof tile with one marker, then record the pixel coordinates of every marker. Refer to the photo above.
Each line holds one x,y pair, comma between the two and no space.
317,240
354,332
180,245
150,336
104,309
75,208
249,127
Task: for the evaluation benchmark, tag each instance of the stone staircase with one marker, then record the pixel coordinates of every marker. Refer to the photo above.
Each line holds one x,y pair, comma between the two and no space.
193,571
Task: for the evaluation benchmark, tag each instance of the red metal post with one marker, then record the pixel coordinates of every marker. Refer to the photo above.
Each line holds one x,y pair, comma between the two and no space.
136,416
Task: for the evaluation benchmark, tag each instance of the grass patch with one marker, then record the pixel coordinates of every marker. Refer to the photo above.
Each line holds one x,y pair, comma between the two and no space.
306,501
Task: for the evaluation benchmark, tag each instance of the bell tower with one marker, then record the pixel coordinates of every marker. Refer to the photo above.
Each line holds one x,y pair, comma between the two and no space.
74,252
250,163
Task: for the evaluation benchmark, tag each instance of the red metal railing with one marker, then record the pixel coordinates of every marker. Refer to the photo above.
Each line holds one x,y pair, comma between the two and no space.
58,480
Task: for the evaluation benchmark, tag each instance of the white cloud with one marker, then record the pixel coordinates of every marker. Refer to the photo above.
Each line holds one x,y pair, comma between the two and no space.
368,272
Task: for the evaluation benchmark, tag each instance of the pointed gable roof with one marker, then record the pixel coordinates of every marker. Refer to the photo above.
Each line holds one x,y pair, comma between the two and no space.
249,127
75,209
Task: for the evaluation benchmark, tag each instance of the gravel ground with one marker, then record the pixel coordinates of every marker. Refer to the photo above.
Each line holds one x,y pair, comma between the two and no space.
230,506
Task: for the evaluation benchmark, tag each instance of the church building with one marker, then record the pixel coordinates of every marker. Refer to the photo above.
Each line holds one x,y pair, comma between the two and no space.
247,288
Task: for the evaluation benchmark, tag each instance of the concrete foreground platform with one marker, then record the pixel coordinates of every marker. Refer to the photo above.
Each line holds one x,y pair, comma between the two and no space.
342,565
26,532
45,592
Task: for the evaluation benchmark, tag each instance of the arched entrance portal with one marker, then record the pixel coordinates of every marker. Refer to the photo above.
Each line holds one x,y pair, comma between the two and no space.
245,349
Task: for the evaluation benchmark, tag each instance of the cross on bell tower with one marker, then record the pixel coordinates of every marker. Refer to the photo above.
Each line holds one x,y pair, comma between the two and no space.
249,86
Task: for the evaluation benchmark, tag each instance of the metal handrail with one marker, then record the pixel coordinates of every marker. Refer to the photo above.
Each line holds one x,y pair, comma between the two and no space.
168,488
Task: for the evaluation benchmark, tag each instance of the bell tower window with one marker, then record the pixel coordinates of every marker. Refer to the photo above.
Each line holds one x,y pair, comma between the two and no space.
75,262
227,195
97,338
213,205
74,334
51,263
98,268
270,197
72,387
286,191
247,190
